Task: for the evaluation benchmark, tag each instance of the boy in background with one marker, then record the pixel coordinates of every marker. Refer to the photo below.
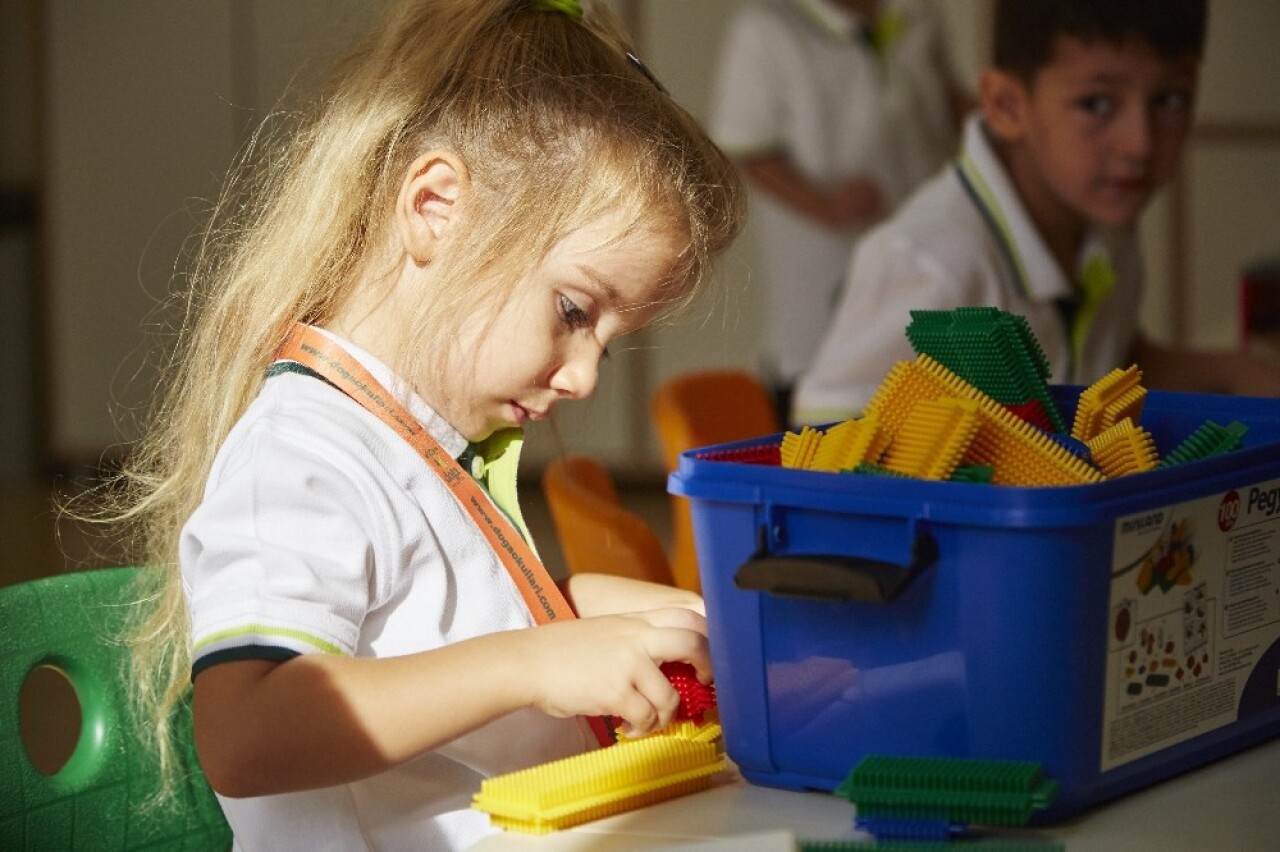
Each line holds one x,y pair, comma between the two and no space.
1081,119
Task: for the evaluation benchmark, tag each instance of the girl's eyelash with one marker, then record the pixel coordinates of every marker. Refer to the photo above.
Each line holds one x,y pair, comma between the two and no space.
572,315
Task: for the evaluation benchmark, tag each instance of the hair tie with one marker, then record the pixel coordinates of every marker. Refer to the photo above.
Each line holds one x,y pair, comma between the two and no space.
572,8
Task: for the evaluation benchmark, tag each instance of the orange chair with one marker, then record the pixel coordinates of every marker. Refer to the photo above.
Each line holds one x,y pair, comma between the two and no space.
596,532
696,410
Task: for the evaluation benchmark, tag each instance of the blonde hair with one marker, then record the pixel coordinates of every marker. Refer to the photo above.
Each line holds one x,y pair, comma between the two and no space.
556,123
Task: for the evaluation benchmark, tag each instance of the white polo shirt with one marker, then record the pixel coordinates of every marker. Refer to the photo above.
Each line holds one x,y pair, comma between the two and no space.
796,76
323,531
964,239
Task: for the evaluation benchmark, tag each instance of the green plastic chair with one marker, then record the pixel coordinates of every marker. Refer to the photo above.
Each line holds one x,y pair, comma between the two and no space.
72,623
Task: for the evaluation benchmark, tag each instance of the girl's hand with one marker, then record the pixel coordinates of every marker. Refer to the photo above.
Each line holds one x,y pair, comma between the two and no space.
607,594
608,665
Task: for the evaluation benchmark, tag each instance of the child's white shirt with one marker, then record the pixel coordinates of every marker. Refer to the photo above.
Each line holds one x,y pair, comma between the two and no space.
794,78
940,252
323,531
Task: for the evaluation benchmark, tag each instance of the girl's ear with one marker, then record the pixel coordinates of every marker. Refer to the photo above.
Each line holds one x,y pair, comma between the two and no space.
1003,99
428,202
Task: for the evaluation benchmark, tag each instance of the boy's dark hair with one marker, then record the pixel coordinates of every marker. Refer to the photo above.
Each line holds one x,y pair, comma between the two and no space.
1025,30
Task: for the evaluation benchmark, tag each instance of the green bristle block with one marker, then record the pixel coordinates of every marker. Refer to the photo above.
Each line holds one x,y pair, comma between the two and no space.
973,473
996,792
873,469
1208,440
991,349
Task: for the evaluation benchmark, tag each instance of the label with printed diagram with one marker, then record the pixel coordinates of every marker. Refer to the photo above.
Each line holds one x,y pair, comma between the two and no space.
1194,630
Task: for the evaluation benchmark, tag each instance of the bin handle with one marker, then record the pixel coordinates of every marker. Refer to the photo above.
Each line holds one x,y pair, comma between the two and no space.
830,577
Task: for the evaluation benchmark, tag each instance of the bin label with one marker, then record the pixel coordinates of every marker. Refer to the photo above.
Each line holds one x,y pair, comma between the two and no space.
1194,631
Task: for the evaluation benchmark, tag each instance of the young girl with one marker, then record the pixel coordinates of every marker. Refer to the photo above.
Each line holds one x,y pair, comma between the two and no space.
495,191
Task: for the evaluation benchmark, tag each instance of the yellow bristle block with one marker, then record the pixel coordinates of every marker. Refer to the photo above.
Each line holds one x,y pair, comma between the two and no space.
596,784
1107,401
1123,449
845,445
934,438
798,448
905,385
685,729
1019,453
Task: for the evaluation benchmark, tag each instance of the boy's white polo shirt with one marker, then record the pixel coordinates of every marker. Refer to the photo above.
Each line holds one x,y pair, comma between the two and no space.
323,531
796,77
942,250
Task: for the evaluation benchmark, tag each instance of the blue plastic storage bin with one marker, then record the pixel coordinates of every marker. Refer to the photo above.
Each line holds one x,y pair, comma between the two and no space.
1117,633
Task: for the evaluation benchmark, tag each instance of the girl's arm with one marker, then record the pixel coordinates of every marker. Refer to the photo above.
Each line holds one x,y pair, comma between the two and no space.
263,728
606,594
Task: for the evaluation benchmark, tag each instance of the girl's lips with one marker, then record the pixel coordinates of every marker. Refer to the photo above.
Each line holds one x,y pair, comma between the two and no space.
523,414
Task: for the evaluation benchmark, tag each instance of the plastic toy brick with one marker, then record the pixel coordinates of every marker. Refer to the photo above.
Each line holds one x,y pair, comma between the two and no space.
1208,440
762,454
993,350
1033,412
871,469
891,828
948,789
934,439
972,473
1124,448
1079,449
1019,453
686,729
696,697
574,790
846,445
799,448
1107,401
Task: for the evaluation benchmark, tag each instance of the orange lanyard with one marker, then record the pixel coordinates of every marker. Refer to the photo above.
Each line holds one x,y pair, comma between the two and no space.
329,360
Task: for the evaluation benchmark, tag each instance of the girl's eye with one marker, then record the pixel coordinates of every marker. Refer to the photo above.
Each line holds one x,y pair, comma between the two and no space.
571,315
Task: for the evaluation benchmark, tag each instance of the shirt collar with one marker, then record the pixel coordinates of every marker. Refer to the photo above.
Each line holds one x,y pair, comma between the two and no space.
449,438
832,18
1036,268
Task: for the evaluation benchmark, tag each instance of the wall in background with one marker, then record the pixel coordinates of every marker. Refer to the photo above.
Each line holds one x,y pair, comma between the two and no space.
1224,214
145,102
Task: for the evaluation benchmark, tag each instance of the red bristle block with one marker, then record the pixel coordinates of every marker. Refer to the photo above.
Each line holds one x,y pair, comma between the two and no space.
696,697
1033,412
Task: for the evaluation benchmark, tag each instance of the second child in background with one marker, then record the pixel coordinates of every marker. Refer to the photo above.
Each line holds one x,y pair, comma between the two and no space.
833,110
1082,118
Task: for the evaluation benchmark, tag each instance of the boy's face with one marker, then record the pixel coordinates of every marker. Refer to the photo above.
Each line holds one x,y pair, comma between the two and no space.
1100,129
546,341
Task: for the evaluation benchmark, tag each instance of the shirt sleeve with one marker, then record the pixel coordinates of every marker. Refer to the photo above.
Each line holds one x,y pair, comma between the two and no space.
748,108
889,276
279,558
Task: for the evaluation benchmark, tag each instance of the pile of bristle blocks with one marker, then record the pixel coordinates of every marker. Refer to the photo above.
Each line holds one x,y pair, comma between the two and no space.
975,406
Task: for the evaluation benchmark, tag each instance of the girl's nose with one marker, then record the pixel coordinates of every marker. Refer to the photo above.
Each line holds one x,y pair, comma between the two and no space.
577,375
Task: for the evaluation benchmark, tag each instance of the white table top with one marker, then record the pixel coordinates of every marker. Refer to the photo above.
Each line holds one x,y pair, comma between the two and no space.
1231,804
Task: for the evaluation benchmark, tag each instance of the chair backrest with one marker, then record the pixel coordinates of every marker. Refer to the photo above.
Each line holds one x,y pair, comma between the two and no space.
73,623
595,531
696,410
